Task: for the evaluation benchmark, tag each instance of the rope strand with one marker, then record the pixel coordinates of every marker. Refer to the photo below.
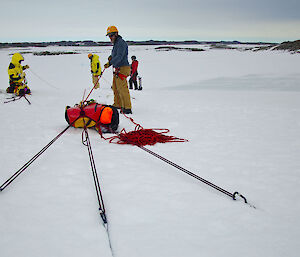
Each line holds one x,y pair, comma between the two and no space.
46,82
27,164
232,195
187,171
86,141
95,84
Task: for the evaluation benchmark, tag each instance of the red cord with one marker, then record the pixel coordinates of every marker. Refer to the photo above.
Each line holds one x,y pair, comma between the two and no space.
142,137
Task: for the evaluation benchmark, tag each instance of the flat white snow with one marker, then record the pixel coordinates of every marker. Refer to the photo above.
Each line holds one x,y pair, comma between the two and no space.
240,111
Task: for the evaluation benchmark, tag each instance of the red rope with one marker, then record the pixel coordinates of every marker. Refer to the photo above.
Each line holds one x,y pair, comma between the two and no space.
94,85
142,137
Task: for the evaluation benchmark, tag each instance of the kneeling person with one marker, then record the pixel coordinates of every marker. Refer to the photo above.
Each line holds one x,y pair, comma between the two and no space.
17,80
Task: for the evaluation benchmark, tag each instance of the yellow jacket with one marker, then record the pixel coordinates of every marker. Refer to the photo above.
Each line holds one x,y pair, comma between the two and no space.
15,69
95,65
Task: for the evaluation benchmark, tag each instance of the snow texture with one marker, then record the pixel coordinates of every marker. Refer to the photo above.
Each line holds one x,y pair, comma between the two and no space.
240,111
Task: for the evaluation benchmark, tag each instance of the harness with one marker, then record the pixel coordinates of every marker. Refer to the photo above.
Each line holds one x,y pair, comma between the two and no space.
118,74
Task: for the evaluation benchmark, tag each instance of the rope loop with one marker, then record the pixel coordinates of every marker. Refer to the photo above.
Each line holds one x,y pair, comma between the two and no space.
142,137
84,138
238,194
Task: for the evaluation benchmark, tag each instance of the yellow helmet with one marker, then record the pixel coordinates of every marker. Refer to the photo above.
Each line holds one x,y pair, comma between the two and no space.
90,55
111,29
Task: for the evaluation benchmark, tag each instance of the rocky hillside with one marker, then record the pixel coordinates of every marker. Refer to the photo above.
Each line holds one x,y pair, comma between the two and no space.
293,46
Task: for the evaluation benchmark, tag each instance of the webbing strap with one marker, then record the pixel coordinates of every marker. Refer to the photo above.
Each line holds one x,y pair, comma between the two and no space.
121,76
118,74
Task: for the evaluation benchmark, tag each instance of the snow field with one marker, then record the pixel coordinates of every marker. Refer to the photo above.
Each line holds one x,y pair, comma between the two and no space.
240,113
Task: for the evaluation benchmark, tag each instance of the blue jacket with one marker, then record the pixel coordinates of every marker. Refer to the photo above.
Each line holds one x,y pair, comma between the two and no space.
119,53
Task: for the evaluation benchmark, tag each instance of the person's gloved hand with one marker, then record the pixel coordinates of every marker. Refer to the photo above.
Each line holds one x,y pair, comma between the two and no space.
25,67
106,65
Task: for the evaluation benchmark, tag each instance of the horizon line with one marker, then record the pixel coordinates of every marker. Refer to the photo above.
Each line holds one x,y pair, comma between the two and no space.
147,40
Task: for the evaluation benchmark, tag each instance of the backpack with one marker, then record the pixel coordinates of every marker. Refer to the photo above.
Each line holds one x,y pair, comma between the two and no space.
104,118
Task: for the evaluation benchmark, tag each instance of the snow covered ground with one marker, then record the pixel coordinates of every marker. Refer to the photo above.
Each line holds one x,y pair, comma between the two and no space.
240,111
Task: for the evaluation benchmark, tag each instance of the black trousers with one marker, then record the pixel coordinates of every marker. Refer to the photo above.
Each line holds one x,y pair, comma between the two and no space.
132,80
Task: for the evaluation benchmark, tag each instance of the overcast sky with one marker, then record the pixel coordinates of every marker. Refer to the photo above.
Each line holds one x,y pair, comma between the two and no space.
243,20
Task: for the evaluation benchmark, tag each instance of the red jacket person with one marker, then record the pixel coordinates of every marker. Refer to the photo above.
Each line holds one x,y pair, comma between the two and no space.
133,73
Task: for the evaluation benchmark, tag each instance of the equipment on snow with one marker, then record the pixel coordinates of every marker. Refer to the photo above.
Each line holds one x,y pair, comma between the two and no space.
15,98
142,137
140,83
89,112
104,118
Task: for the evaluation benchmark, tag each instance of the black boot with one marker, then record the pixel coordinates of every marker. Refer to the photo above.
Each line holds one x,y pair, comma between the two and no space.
126,111
130,83
10,89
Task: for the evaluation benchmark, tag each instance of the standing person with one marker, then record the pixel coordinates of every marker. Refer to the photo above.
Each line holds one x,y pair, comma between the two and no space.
119,60
133,73
17,80
95,69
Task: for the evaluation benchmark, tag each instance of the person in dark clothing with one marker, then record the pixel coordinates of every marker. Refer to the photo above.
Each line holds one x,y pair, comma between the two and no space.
133,73
119,61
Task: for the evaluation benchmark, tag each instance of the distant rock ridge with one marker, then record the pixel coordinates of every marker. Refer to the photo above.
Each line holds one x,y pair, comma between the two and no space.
130,42
291,46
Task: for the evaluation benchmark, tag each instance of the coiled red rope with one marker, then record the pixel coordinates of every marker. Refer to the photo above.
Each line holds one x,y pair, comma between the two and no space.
142,137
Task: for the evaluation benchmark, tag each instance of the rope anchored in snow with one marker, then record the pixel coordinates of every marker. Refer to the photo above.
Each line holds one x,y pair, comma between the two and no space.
86,141
141,137
34,73
94,86
232,195
27,164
